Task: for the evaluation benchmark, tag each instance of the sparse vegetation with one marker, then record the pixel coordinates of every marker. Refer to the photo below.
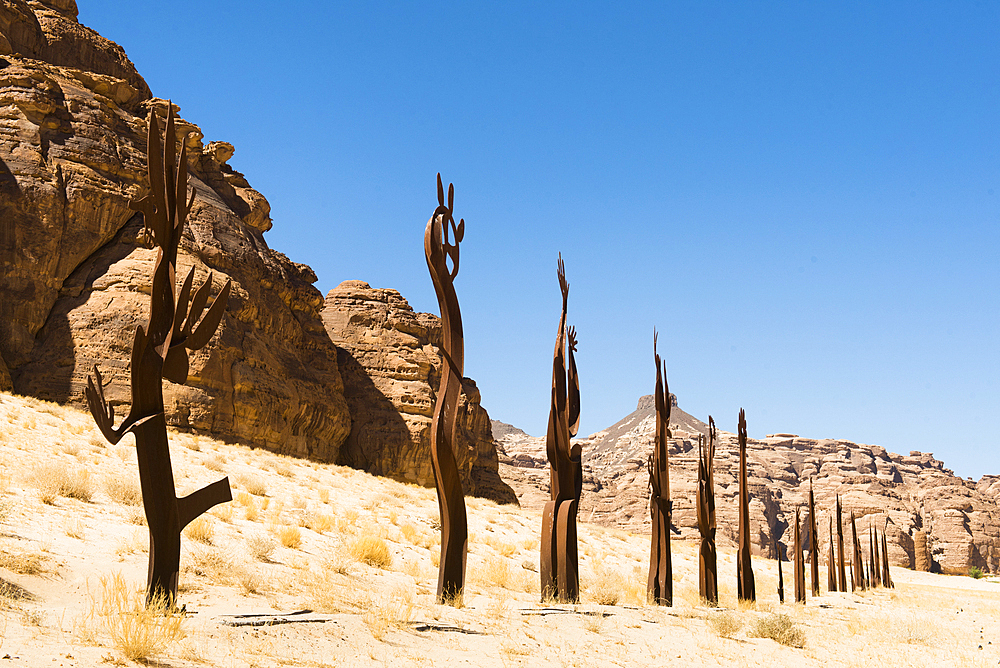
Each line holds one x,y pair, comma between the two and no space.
725,623
371,550
201,530
777,627
137,630
975,572
261,546
54,479
123,489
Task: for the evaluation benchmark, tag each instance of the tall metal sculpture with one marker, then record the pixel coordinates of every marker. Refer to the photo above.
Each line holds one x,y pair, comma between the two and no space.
558,560
781,577
859,569
660,584
708,579
831,564
745,588
800,567
841,573
441,239
886,576
876,567
159,350
813,543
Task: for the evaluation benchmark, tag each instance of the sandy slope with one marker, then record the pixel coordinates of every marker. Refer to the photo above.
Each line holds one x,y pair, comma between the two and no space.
58,553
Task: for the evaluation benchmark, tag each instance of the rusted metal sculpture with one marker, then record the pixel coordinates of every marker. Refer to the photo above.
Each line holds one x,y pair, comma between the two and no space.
441,239
558,565
708,579
660,585
813,543
745,589
875,568
886,576
781,578
859,569
841,573
800,567
831,564
159,350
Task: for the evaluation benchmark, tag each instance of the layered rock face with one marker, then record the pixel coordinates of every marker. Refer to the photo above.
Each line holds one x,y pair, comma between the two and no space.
910,495
75,271
391,366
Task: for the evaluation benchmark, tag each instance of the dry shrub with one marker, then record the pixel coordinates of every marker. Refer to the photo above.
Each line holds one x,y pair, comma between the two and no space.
57,479
138,630
371,550
123,489
75,529
252,483
777,627
214,463
409,532
330,591
200,529
249,580
320,522
503,548
23,563
283,469
608,587
324,495
290,537
209,563
725,623
224,513
136,516
261,546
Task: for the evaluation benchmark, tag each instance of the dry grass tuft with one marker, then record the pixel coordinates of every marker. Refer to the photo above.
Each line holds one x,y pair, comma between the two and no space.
124,490
23,563
290,537
777,627
58,479
726,624
385,612
261,546
371,550
138,630
252,483
496,572
200,529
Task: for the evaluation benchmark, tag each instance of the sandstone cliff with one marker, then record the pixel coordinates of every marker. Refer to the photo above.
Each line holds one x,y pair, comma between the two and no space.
913,493
74,272
391,365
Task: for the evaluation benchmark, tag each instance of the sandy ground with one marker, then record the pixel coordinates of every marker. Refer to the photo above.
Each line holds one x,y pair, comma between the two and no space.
298,537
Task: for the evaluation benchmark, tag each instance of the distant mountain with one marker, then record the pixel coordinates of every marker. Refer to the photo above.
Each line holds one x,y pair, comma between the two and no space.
909,494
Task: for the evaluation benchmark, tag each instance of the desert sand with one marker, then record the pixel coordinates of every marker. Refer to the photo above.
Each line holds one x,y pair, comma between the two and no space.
359,554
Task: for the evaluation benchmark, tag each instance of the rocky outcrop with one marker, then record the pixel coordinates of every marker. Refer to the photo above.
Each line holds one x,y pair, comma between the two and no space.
74,268
913,496
391,365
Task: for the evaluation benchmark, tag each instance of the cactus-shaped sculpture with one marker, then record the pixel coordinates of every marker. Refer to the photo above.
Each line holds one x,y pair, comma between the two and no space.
441,239
708,578
841,572
800,567
745,589
160,350
876,567
813,543
781,577
660,584
886,576
558,565
859,569
831,564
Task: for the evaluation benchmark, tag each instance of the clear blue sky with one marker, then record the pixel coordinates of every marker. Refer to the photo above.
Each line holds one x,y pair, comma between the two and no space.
804,198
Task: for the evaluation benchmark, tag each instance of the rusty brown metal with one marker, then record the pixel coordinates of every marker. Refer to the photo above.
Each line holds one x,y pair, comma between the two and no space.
859,569
442,237
781,577
841,572
831,564
558,565
813,543
660,585
745,589
886,575
708,578
875,568
800,568
160,350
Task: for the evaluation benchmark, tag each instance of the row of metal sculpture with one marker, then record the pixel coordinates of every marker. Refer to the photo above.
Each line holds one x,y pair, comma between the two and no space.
175,326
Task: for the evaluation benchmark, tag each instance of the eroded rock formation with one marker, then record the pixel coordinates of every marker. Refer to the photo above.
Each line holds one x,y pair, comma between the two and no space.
74,266
391,366
915,492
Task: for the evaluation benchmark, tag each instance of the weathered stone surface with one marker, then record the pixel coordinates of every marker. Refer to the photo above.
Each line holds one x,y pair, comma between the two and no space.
914,493
74,271
391,364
